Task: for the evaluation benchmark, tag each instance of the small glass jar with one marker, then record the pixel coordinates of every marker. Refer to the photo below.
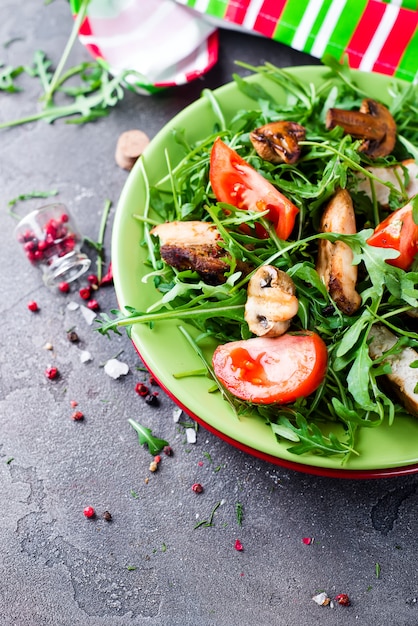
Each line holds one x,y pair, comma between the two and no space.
51,241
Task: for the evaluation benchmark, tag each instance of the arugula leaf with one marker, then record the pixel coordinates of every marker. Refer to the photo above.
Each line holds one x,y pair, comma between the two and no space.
145,437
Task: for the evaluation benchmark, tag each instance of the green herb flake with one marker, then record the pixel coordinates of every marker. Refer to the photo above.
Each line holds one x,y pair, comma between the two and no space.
134,494
239,512
9,460
145,437
131,568
206,523
377,570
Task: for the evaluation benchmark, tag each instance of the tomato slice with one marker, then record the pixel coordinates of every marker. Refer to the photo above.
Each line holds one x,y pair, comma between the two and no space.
275,370
234,181
398,231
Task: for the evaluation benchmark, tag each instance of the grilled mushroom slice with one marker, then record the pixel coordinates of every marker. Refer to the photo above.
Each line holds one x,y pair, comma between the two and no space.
335,260
195,246
278,142
373,123
403,378
271,302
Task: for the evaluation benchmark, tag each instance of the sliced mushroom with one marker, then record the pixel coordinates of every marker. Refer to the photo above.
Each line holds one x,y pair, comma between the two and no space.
335,260
271,302
403,378
394,174
195,246
373,123
278,142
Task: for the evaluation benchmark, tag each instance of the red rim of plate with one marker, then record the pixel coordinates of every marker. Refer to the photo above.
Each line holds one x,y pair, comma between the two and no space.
298,467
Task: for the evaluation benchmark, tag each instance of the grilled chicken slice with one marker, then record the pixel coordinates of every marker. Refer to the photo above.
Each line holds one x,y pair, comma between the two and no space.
271,302
394,175
335,260
403,378
195,246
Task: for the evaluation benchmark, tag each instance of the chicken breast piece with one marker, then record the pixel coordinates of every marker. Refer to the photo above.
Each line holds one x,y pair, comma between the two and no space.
195,246
335,260
404,378
392,175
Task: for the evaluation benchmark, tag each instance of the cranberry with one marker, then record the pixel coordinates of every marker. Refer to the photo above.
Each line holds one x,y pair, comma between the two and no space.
93,305
197,488
85,293
343,599
77,416
51,373
89,512
33,306
141,389
64,287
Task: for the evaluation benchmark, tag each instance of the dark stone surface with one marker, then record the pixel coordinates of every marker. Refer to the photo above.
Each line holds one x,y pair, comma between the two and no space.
149,566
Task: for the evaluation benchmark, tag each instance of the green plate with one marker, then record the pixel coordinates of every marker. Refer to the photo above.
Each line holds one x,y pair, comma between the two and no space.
383,451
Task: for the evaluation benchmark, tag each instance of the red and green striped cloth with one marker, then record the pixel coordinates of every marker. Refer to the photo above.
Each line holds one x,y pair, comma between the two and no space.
374,35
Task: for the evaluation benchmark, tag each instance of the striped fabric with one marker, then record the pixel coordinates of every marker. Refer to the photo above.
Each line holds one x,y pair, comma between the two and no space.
374,35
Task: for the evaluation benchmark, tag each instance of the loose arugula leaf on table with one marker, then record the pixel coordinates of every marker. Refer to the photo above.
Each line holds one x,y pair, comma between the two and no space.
145,437
7,78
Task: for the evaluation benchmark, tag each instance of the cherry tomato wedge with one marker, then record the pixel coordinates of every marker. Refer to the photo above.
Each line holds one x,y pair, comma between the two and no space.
234,181
398,231
275,370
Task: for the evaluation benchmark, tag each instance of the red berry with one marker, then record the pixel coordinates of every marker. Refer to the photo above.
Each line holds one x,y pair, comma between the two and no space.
89,512
197,488
343,599
157,458
64,218
77,416
85,293
93,305
64,287
238,546
51,373
168,450
33,306
73,403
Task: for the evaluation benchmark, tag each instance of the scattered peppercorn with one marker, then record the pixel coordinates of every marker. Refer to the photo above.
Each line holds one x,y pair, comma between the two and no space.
107,516
152,399
197,488
51,373
77,416
153,466
343,599
89,512
73,403
168,450
153,381
64,287
72,336
157,458
141,389
238,545
93,305
33,306
93,279
85,293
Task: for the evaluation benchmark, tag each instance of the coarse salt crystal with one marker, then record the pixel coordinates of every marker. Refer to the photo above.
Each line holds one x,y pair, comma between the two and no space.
190,435
73,306
85,356
321,599
177,414
88,314
115,368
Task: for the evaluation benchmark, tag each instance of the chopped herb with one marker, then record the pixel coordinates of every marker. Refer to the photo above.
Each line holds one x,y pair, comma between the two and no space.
208,522
239,513
131,568
9,460
145,436
208,457
134,494
377,570
164,548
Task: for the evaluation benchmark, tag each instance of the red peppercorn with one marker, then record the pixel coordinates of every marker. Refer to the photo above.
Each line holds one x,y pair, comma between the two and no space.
89,512
64,287
77,416
73,403
197,488
93,280
51,373
343,599
85,293
141,389
153,381
157,458
93,305
238,546
152,399
168,450
33,306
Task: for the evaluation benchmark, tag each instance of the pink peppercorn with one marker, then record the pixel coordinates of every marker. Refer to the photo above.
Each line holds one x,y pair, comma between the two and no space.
64,287
89,512
343,599
168,450
93,305
93,280
33,306
51,373
141,389
85,293
238,546
77,416
157,458
197,488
